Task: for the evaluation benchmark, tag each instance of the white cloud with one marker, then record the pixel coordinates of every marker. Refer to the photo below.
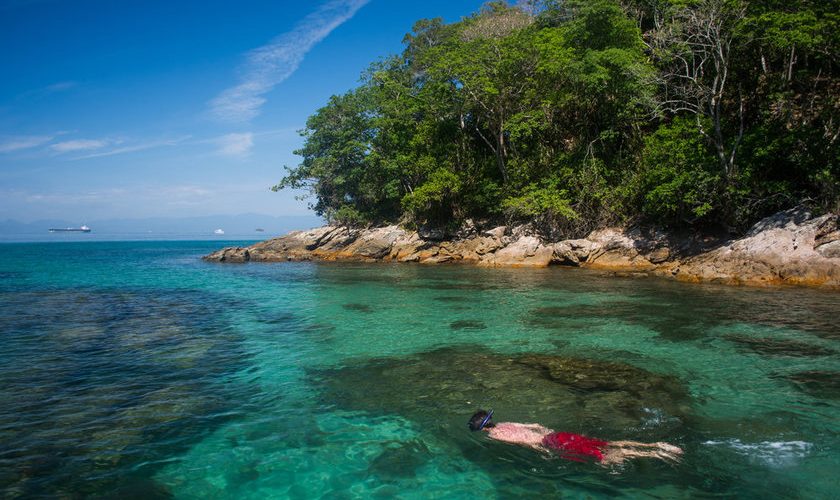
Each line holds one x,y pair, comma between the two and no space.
137,147
236,144
269,65
78,145
60,198
17,143
42,92
58,87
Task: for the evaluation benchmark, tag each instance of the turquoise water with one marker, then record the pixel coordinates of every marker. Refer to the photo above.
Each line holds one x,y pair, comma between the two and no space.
137,369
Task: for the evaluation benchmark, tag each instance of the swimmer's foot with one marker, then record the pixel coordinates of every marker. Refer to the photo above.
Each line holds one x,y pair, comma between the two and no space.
669,448
668,456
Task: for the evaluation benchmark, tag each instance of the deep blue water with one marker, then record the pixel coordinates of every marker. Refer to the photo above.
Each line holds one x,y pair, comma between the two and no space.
134,368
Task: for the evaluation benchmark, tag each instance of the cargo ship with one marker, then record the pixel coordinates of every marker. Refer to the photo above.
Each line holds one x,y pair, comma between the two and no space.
83,229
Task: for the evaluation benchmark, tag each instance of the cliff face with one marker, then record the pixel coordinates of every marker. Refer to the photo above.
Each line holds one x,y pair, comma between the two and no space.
791,247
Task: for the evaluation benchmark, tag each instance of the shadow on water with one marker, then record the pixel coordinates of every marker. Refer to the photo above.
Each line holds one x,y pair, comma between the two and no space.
96,383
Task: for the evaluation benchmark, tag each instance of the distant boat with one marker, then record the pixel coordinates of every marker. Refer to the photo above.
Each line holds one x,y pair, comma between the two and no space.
83,229
218,231
259,230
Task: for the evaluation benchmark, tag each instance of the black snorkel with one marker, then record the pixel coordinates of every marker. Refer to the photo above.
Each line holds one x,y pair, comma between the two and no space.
486,419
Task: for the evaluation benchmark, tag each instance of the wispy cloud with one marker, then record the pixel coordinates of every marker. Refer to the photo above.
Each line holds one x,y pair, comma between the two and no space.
238,144
79,145
59,86
63,198
58,202
136,147
269,65
20,142
42,92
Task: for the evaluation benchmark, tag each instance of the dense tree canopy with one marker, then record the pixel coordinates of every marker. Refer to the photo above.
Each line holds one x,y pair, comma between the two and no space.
578,113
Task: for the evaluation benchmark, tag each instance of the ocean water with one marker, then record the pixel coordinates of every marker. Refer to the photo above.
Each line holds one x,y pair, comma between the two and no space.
134,369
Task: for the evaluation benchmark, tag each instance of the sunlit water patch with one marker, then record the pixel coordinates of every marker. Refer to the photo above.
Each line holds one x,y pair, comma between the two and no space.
137,369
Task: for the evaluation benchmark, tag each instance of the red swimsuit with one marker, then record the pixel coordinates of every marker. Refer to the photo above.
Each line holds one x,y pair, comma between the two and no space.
574,446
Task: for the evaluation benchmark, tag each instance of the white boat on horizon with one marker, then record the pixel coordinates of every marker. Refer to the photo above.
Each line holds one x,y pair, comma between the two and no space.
82,229
219,231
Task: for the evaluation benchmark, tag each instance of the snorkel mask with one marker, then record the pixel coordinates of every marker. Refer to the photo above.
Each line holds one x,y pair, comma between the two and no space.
486,419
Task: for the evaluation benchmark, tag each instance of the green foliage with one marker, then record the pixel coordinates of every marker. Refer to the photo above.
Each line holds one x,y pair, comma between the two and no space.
435,199
543,200
678,180
552,115
348,216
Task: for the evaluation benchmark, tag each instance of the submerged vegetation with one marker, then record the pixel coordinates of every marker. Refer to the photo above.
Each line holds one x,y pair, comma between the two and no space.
580,113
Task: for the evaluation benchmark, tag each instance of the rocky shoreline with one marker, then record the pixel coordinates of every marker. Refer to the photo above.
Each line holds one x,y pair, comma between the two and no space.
790,247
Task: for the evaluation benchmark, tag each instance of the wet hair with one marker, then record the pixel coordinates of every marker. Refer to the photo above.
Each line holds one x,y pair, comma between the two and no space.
475,421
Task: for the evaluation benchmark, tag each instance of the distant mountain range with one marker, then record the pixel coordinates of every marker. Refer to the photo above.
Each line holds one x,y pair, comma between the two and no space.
234,226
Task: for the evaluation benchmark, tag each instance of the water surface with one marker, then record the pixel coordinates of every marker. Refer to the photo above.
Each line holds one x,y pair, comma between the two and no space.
136,369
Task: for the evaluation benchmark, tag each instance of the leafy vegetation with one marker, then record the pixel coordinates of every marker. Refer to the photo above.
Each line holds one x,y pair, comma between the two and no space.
578,113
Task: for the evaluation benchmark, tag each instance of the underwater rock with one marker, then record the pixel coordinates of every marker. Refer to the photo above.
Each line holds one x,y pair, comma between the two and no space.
441,388
467,324
592,375
452,298
278,319
109,384
819,383
779,347
358,307
139,489
400,460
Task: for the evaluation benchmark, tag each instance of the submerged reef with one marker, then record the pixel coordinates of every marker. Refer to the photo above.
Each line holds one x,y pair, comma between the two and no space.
127,381
443,387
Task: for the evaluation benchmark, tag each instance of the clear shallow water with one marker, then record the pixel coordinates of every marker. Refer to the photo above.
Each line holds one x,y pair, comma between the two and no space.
136,369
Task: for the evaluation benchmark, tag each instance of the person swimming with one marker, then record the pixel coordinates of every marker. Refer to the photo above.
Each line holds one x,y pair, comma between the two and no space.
570,446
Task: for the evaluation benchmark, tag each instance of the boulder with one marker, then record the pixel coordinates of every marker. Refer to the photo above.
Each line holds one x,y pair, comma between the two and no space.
406,246
372,244
497,232
780,249
573,252
659,255
527,251
230,255
432,233
830,250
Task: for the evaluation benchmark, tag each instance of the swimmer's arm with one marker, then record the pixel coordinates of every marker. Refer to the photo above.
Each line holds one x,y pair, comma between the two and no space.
520,442
536,427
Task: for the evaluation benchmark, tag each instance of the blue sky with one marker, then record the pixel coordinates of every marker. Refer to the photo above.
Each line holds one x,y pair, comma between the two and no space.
144,108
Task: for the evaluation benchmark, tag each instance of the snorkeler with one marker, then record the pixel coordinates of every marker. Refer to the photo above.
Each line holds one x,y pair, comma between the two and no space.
571,446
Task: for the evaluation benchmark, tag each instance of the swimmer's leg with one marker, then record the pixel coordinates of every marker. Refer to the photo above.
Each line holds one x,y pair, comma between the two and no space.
669,448
619,451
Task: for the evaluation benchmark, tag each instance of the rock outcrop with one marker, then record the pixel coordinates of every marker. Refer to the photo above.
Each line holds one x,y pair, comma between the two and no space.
790,247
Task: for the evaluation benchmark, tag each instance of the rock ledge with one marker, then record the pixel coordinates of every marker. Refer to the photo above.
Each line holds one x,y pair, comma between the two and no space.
790,247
